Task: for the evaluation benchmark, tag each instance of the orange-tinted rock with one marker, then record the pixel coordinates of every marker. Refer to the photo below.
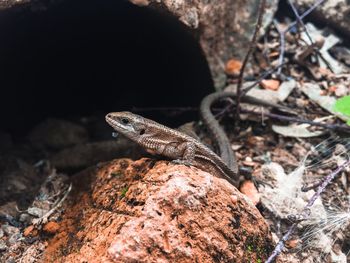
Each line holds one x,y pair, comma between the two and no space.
248,188
51,227
143,211
292,243
270,84
30,231
233,67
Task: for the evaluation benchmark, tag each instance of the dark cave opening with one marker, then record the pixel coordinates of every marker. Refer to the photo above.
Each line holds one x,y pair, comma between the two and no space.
81,57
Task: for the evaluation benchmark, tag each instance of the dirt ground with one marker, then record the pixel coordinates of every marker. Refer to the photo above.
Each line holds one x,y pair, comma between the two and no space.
67,195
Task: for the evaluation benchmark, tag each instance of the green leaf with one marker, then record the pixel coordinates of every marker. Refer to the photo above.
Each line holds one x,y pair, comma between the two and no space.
342,105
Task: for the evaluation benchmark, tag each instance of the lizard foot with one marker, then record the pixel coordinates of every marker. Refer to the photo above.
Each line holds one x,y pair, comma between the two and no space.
183,162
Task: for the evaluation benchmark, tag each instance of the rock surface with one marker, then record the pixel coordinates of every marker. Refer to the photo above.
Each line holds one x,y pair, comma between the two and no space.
87,154
57,134
224,27
142,211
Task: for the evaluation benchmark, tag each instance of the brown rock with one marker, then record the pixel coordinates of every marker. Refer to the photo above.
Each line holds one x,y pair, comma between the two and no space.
30,231
51,227
139,211
270,84
88,154
233,67
292,243
248,188
224,27
57,134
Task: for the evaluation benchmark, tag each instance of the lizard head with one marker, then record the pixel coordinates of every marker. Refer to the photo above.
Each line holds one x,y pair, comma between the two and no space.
127,123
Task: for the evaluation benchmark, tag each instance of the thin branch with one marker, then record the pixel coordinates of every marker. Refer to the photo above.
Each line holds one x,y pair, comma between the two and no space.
263,76
282,44
283,33
307,12
305,212
44,218
252,44
299,19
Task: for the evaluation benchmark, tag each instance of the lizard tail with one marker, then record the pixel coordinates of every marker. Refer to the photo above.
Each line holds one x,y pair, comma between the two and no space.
218,134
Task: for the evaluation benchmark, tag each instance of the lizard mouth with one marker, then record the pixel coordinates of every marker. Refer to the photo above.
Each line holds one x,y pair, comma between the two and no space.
110,121
116,125
113,122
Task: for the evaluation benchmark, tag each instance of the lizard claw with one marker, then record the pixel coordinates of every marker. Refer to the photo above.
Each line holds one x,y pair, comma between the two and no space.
183,162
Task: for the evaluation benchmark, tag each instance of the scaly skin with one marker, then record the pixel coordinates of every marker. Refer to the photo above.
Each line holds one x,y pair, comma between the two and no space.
162,140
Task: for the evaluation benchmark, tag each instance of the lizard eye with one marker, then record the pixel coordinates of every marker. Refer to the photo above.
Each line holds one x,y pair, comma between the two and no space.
125,121
142,132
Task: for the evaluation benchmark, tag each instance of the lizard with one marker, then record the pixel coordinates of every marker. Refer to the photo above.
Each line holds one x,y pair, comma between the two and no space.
178,146
182,148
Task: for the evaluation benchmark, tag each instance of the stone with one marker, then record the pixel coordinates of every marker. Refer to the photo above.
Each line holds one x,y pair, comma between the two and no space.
147,211
57,134
224,27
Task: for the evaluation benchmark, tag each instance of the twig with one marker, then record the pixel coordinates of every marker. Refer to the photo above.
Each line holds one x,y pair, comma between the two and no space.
250,49
263,76
282,44
283,33
307,12
308,35
306,188
300,21
321,188
44,218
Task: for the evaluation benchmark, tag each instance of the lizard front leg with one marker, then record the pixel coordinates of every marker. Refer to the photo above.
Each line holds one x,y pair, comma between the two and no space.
188,150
